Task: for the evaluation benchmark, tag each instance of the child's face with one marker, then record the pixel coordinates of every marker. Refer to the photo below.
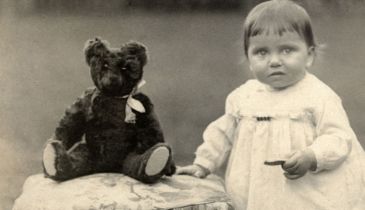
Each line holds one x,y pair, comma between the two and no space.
279,61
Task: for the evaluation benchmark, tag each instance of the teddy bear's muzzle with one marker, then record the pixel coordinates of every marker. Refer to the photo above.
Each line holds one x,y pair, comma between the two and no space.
111,82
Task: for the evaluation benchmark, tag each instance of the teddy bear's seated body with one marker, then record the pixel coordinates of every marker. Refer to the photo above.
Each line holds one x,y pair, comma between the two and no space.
120,129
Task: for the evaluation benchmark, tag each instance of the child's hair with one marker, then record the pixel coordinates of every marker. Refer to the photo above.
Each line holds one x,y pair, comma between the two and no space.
277,17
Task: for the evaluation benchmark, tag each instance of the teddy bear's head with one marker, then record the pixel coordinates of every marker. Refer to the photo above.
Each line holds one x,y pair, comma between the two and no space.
115,71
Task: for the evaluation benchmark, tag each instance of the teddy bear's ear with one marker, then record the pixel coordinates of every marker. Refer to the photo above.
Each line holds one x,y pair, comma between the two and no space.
95,47
137,49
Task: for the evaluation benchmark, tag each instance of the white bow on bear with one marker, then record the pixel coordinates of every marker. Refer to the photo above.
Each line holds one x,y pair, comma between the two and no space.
132,103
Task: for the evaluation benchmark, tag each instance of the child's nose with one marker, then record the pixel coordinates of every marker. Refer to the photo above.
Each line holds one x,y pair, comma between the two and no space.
275,61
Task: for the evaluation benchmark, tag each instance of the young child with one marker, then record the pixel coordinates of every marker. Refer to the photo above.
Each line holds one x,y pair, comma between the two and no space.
289,142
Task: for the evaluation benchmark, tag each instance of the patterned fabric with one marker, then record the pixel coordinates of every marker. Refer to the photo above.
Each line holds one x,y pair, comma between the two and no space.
261,124
109,191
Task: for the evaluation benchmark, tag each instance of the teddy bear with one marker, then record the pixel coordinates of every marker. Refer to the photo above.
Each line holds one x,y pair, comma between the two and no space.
111,127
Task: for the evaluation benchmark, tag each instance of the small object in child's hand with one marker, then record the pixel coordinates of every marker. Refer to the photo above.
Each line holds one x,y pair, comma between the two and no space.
274,162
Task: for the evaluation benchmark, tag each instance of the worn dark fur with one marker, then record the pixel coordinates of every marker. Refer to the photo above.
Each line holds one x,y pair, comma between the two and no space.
99,116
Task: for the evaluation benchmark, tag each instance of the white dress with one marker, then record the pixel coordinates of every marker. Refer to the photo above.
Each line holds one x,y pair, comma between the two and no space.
264,124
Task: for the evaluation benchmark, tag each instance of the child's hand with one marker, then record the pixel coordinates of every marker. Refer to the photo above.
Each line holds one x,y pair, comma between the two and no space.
193,170
299,163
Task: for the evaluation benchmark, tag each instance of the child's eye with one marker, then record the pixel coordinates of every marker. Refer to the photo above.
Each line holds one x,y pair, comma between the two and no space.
287,50
261,52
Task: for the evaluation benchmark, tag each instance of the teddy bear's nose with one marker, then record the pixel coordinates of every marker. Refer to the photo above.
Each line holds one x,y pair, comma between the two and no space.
114,79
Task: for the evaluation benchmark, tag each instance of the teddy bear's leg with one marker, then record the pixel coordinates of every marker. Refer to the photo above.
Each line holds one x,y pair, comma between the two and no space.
149,166
60,164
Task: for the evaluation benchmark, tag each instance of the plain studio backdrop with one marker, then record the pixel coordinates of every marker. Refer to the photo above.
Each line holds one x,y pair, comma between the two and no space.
195,60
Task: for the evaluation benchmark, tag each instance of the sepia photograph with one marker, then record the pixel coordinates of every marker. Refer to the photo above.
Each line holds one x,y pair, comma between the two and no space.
182,104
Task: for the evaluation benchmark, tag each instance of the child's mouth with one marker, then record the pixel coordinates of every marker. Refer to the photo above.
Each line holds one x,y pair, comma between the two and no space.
277,74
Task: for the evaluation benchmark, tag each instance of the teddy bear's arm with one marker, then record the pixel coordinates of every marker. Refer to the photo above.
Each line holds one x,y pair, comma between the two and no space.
149,131
72,125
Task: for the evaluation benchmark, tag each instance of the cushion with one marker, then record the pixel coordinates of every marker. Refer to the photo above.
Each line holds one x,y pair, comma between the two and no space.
111,191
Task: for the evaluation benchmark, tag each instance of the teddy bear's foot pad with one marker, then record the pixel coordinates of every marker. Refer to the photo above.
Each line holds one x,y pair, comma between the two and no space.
157,161
49,159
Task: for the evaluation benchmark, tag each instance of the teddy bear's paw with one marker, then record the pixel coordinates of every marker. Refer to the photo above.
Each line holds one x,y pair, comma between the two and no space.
157,161
50,155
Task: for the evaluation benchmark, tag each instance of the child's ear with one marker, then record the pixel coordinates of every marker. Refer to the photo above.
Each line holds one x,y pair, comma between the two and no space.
249,65
95,47
311,57
246,59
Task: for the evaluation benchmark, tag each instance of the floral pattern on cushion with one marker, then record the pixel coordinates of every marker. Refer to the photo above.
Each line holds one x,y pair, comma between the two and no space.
111,191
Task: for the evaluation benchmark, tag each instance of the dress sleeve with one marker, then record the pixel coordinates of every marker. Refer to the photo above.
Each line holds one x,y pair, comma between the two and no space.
218,138
334,135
